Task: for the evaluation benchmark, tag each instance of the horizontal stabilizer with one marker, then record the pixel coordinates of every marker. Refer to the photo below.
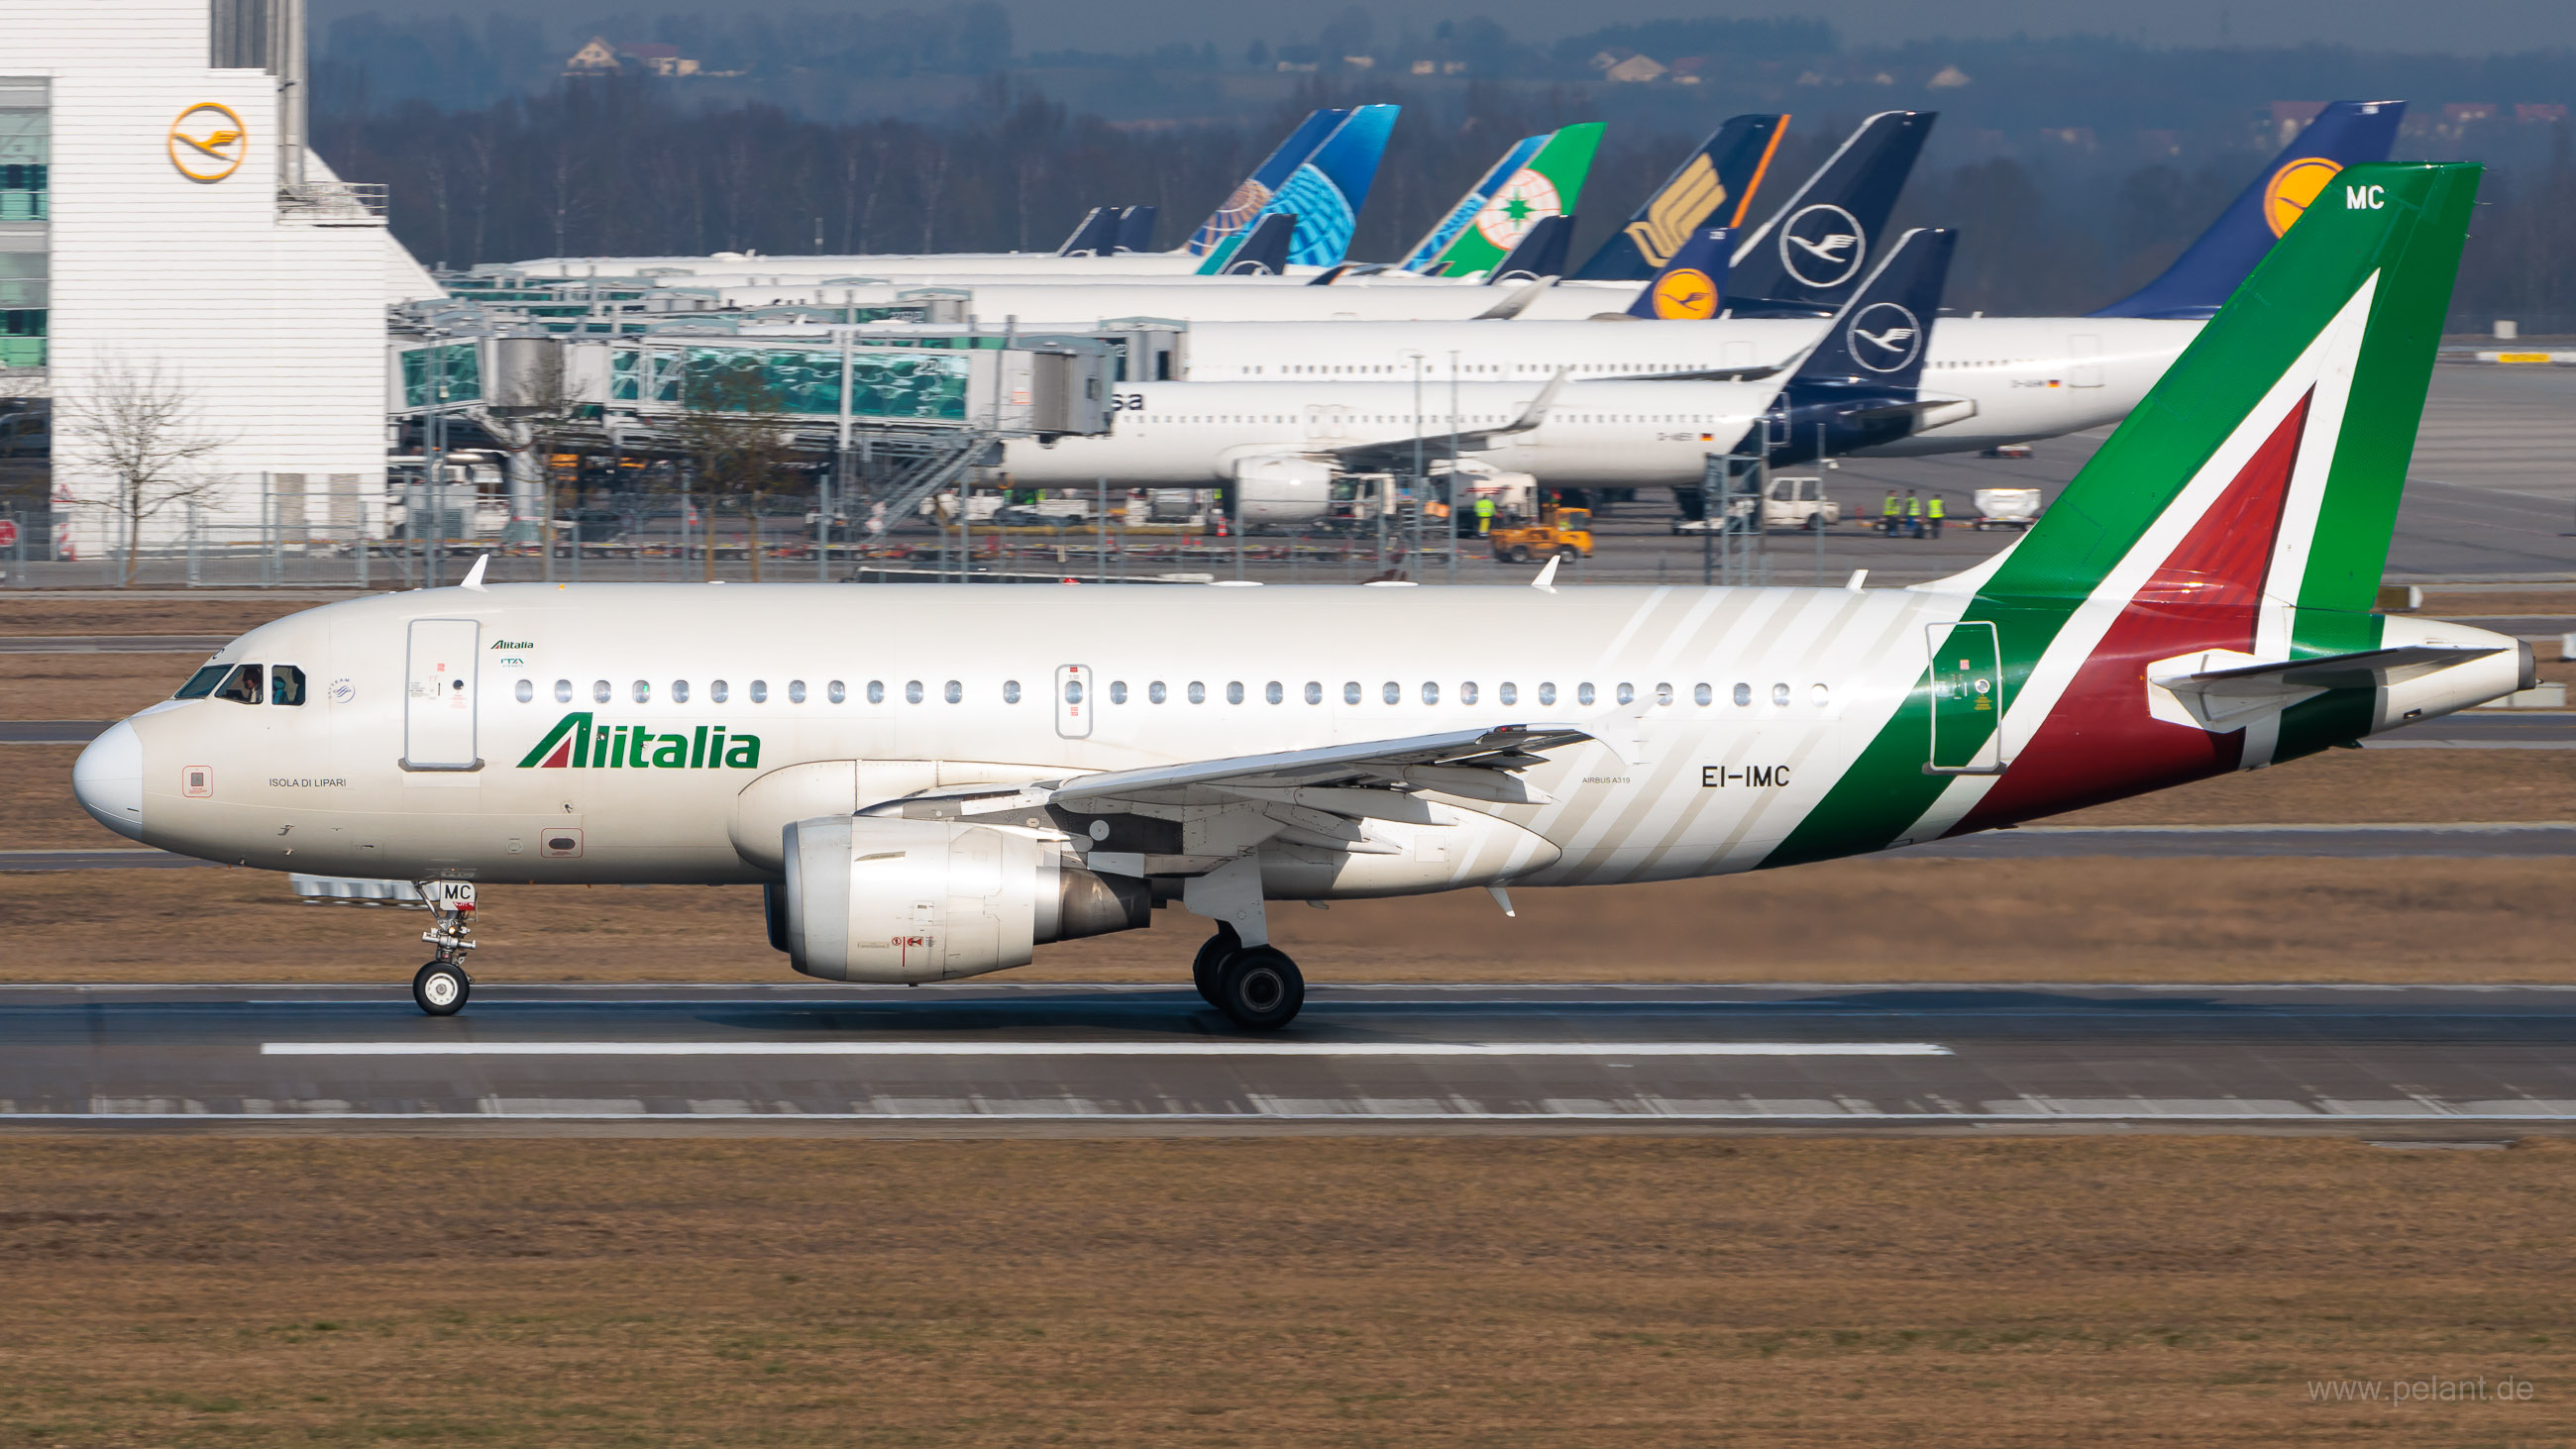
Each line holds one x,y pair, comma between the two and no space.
2365,669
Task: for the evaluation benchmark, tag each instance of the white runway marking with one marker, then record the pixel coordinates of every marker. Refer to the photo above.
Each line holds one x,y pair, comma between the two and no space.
1245,1048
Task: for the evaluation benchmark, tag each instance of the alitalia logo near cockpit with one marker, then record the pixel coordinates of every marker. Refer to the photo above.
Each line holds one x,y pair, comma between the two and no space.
575,743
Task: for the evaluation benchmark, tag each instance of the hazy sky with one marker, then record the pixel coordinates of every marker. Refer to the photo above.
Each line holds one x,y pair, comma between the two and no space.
2459,26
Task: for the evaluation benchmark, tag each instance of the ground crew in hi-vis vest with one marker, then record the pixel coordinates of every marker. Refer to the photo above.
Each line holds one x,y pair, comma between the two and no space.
1913,515
1932,512
1484,516
1887,515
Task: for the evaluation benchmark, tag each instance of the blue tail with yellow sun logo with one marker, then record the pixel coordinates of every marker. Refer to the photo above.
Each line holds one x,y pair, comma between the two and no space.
1692,286
2201,280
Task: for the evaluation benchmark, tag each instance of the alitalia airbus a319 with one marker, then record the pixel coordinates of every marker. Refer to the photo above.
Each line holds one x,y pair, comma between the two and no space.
933,781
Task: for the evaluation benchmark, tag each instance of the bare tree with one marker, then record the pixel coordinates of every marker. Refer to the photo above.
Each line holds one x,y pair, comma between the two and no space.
529,419
736,445
138,427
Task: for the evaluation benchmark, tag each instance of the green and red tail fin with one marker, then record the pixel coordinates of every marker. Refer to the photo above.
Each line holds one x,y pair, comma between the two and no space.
2338,323
2245,508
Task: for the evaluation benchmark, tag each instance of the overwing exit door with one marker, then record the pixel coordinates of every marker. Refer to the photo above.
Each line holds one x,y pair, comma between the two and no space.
1073,701
1967,700
438,695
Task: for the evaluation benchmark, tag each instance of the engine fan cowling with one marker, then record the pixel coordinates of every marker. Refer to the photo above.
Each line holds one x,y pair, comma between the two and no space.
892,900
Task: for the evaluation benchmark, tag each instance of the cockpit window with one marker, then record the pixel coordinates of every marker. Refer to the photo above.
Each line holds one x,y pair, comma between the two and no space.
285,684
203,682
242,686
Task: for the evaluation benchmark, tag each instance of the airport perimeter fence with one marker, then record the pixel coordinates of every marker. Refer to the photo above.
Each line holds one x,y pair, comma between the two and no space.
325,540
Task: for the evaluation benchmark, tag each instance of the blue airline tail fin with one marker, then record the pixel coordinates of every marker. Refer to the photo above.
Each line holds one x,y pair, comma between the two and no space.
1265,248
1097,234
1136,229
1541,252
1257,190
1328,190
1808,258
1437,239
1692,286
1712,188
1880,336
2211,269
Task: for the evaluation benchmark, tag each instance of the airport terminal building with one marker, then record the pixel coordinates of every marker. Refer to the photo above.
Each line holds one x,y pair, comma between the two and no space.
170,248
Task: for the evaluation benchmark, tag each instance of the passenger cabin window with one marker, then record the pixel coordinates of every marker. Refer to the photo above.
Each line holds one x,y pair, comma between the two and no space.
1010,691
1627,694
242,686
1118,691
203,682
563,691
1154,692
953,691
1234,691
1393,693
1508,693
876,691
1198,692
1701,694
912,691
838,691
526,691
1430,692
1780,695
1583,694
643,691
1743,695
286,684
1351,692
760,691
1273,692
679,691
1547,694
796,691
718,690
1314,691
1467,693
601,691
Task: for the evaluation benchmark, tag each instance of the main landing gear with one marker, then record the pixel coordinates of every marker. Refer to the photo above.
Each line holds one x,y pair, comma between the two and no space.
441,987
1257,987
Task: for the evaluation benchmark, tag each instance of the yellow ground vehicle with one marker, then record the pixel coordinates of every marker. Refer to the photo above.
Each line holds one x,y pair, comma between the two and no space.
1561,532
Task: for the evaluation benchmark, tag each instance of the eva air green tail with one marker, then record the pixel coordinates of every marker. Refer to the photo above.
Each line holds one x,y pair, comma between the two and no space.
1550,185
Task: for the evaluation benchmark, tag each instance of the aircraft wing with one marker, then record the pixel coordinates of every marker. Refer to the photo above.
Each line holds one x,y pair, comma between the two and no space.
1223,809
1387,455
1495,753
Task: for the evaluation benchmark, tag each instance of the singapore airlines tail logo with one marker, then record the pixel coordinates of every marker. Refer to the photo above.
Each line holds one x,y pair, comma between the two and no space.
2287,195
1695,193
207,142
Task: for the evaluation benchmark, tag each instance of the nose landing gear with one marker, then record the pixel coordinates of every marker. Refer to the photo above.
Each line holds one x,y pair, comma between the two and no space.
441,987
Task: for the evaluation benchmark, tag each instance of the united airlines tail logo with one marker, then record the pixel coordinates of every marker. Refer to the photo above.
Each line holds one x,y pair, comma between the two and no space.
2293,188
1676,209
1823,245
576,743
1885,337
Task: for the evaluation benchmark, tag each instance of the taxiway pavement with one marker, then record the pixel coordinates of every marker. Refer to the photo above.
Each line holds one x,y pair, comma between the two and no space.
1039,1057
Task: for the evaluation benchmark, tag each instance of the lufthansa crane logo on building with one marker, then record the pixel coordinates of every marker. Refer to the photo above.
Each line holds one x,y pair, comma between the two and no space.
207,142
1822,246
1885,337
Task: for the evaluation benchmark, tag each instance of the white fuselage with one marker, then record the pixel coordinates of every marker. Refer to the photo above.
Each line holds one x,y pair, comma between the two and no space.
1315,394
322,788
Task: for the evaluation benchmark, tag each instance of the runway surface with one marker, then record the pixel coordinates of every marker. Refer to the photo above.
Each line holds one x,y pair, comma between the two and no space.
1078,1059
113,643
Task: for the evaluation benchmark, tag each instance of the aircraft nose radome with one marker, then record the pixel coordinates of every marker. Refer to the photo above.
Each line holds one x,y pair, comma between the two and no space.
108,780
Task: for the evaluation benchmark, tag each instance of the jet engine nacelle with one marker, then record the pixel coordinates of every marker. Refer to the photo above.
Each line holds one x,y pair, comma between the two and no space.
1283,490
883,899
